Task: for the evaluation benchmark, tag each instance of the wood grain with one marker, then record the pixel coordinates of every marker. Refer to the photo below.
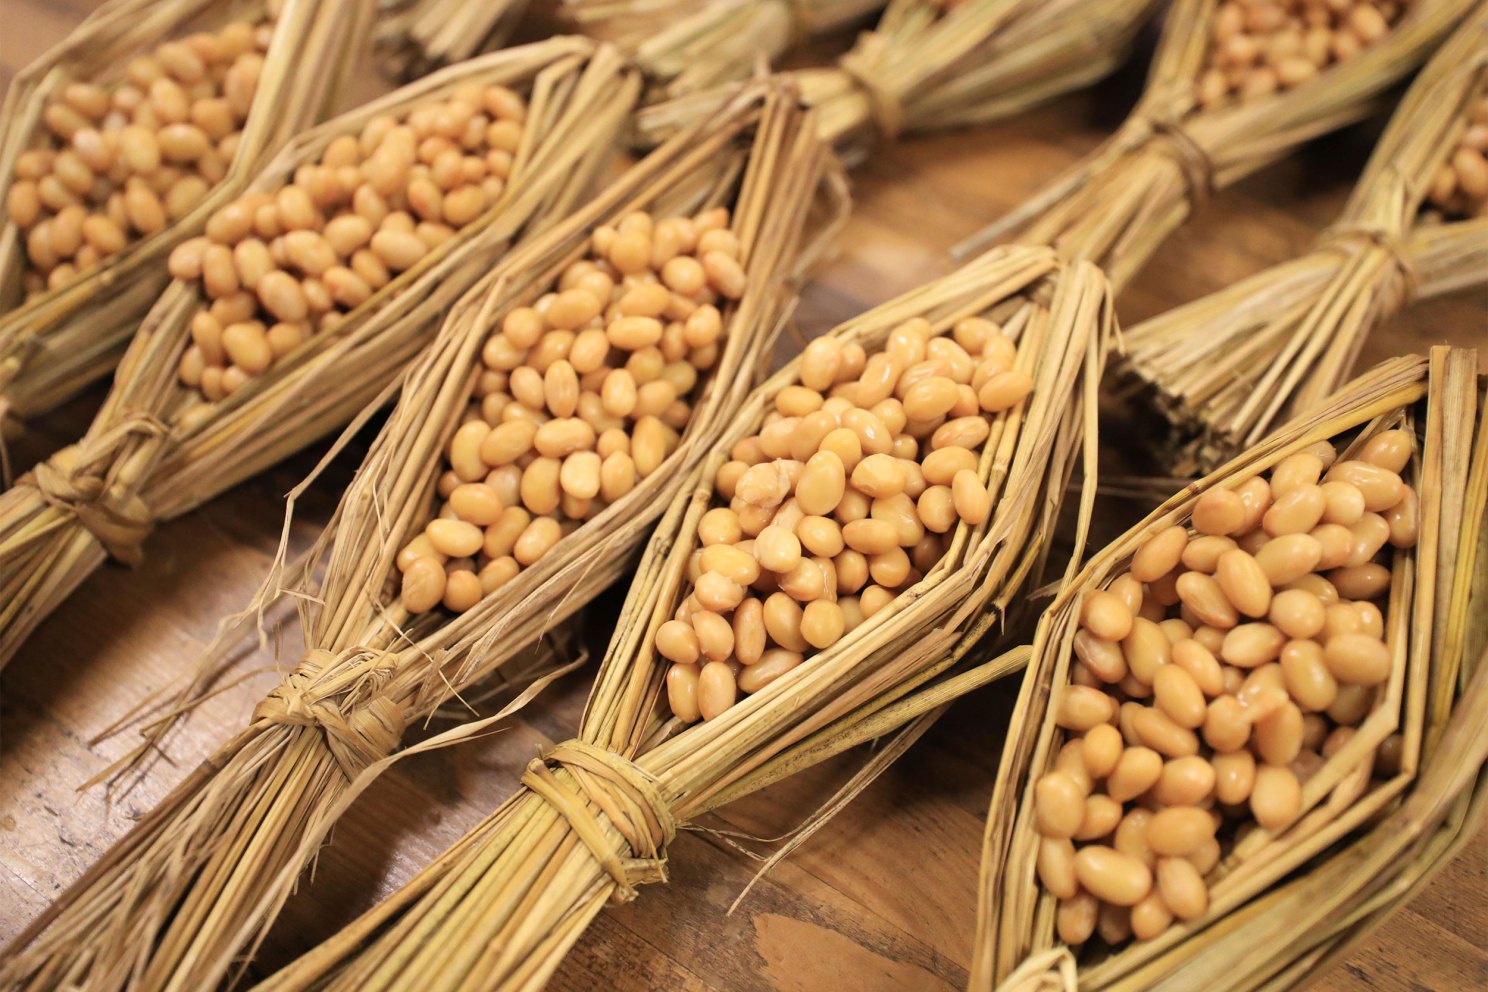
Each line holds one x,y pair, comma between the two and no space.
841,913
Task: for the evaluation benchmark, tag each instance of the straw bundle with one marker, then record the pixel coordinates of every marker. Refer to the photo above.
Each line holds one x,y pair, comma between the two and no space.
56,342
501,908
158,448
419,36
930,65
1228,367
680,45
1386,801
683,46
1184,141
179,898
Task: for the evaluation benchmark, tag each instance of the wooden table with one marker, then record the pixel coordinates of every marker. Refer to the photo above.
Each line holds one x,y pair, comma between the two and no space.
882,898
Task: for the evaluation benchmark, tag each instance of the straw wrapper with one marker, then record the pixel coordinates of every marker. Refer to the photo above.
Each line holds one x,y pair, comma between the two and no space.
501,908
157,449
679,45
52,346
179,898
1286,900
1227,368
1117,206
930,66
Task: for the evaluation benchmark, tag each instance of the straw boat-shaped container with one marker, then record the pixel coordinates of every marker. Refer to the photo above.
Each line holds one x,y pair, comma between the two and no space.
1174,151
158,448
501,908
1226,369
1375,815
177,900
680,45
52,345
930,66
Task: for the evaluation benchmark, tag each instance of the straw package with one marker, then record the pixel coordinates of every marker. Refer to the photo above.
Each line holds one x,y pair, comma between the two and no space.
872,647
1226,369
1226,798
220,382
104,171
1227,94
679,45
929,66
175,903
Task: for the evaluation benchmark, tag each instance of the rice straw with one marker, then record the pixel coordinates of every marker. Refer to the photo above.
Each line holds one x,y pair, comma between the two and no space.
1285,899
679,45
930,66
1171,155
1225,369
187,893
501,908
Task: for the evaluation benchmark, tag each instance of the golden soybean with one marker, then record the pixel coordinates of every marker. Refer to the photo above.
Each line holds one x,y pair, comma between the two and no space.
1111,876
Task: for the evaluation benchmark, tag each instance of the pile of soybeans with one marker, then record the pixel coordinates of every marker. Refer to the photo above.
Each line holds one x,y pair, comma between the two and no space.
1262,46
280,267
121,162
847,495
1213,679
583,393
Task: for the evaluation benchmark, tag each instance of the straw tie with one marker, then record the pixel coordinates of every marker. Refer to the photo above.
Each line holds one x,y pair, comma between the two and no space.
1355,238
1051,971
884,105
630,798
339,694
1193,161
77,481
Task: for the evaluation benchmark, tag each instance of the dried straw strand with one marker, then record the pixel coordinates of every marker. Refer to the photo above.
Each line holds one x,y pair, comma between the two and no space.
53,346
1226,368
178,900
1118,205
156,449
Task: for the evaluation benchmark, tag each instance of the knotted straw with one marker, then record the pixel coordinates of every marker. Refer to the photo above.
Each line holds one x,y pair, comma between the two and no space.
1118,205
1280,899
930,66
579,94
341,695
501,908
55,345
601,783
1225,369
187,893
112,514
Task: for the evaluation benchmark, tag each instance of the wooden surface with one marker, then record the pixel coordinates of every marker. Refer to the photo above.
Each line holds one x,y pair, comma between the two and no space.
884,897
